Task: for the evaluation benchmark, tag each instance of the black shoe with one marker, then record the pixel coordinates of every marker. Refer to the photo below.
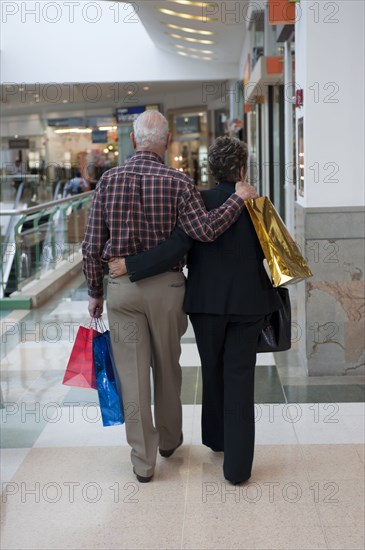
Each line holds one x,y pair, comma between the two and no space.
142,479
168,453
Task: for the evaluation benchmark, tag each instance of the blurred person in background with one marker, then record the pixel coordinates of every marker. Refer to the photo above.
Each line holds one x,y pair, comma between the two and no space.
77,184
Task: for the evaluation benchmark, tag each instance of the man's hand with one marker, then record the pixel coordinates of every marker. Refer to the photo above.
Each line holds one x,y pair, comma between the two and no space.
117,267
96,306
245,190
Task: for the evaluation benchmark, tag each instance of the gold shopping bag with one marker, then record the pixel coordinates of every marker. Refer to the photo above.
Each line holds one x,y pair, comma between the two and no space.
286,264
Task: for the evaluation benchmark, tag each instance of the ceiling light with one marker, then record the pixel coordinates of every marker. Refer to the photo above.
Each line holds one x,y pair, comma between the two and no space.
107,128
195,56
188,39
73,131
191,3
186,15
188,29
146,88
193,49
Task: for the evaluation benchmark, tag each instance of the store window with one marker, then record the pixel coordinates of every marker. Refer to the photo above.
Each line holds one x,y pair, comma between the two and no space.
189,146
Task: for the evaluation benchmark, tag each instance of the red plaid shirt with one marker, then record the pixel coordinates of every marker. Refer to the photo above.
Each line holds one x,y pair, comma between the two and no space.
137,205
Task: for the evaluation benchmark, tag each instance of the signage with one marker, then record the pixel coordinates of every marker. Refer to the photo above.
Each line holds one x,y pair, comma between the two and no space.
99,136
66,122
81,122
18,143
299,98
282,12
129,114
187,124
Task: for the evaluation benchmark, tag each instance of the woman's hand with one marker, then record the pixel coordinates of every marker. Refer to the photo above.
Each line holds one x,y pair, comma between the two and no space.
245,190
117,267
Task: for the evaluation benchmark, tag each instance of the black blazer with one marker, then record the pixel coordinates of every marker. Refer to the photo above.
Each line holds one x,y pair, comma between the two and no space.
226,276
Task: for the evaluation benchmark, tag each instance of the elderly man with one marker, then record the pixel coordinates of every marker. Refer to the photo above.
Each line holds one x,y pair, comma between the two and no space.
135,207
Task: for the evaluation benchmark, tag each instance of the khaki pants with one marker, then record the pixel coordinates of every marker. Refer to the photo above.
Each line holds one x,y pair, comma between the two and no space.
146,321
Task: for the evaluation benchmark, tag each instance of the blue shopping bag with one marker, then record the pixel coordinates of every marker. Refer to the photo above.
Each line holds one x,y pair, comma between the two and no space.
107,381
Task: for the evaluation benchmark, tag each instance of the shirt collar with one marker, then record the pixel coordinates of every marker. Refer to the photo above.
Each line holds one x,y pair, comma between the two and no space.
148,155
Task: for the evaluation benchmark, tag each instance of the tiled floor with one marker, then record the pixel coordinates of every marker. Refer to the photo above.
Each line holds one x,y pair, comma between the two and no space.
68,484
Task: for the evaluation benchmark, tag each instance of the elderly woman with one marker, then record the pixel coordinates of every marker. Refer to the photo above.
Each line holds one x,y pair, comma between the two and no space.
228,294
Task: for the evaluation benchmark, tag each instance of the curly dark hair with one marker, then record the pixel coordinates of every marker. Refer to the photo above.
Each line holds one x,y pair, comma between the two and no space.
226,157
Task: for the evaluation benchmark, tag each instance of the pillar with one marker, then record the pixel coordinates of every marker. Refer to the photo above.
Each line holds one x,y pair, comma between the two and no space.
330,201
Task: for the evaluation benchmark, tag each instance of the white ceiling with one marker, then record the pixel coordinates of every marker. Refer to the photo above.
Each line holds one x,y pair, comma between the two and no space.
228,25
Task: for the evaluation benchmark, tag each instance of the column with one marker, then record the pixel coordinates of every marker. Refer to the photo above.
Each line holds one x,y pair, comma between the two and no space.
330,199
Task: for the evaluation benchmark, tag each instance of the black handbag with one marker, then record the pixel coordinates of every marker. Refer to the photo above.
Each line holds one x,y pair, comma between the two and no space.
276,332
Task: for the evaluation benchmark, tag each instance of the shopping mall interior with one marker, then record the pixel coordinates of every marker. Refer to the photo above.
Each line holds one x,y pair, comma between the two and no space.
284,76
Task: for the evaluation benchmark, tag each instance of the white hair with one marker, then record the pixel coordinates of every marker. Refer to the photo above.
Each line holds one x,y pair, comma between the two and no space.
150,128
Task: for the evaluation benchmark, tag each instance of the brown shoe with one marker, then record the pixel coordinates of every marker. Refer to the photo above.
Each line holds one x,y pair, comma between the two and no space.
167,454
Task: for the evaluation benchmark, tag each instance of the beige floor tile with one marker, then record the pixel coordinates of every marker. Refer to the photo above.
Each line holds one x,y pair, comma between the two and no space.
361,452
340,502
287,536
105,508
278,462
332,462
345,538
218,526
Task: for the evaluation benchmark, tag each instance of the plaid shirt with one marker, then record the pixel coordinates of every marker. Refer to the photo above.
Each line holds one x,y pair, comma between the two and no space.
137,205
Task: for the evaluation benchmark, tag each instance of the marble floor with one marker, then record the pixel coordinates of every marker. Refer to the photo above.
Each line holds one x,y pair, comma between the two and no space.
67,482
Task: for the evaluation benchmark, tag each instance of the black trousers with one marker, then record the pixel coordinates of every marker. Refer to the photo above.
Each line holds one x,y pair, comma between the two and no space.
227,347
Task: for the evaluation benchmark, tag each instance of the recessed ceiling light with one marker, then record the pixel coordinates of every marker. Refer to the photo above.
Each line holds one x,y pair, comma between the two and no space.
181,47
146,88
187,3
65,101
73,131
186,15
192,56
188,29
189,39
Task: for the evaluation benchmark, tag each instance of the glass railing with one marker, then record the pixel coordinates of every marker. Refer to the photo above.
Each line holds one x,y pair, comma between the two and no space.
39,238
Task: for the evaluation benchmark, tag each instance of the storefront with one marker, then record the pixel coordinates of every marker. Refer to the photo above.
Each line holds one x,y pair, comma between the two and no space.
79,143
189,146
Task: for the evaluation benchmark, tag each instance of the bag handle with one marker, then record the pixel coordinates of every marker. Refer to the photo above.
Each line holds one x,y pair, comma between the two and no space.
99,324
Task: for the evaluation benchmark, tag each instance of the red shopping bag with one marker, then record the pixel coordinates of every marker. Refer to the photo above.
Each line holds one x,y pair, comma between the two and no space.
80,369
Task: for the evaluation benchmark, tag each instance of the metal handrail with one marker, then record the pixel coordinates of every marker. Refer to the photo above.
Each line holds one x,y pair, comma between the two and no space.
18,216
44,205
